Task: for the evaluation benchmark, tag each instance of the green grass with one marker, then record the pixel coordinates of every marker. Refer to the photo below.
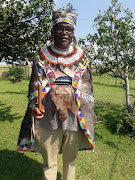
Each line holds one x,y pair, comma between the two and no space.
114,156
108,80
108,89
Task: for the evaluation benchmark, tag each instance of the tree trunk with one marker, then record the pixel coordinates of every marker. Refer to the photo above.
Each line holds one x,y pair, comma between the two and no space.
133,109
128,103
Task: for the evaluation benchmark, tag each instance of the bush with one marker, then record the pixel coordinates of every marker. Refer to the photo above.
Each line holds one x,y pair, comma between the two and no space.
126,124
16,74
115,118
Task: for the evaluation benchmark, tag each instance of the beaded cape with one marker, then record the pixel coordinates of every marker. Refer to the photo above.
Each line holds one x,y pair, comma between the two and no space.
48,58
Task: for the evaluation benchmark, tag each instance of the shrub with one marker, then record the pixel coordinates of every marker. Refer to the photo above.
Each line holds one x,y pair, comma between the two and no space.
115,118
15,74
126,124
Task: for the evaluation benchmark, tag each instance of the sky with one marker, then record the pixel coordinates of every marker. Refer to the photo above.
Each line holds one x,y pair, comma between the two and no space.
87,11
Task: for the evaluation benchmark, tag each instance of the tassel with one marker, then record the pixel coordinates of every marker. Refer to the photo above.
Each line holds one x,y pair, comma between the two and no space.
74,40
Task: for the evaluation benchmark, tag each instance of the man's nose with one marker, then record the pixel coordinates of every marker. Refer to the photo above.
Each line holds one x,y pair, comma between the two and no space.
64,31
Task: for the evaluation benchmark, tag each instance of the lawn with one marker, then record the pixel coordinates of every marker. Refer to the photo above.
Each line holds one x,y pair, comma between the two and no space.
114,156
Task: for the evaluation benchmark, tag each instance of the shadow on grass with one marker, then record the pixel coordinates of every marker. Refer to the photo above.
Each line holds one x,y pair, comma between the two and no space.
15,165
113,165
119,85
109,85
108,114
12,92
5,113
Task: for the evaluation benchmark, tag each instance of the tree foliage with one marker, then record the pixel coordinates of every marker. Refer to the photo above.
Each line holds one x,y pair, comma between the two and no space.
115,40
24,26
88,48
69,6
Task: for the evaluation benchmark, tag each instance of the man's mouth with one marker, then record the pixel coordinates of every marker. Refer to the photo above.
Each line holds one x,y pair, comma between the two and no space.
64,38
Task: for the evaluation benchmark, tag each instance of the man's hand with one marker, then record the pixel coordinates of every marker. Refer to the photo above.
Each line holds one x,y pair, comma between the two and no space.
39,114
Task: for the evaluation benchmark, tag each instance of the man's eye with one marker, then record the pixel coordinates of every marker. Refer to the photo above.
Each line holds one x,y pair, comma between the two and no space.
61,29
70,30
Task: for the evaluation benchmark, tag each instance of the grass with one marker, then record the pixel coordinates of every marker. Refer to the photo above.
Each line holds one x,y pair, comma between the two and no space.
108,89
113,159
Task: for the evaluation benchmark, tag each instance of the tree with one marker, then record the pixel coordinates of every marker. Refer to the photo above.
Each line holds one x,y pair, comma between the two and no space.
69,6
89,48
24,27
115,39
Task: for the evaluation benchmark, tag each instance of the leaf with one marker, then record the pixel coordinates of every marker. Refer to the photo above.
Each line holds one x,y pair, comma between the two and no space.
20,19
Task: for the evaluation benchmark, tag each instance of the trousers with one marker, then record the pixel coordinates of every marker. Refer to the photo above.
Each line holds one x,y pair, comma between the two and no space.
51,143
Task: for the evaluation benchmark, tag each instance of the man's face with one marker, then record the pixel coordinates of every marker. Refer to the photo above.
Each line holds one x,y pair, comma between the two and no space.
63,34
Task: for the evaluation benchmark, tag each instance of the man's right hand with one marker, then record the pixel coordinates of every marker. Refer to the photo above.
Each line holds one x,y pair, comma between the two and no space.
39,114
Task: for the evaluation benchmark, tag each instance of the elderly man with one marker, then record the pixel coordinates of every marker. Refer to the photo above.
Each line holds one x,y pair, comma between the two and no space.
64,124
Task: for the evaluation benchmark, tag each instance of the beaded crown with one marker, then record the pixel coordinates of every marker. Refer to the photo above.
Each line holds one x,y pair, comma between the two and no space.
67,16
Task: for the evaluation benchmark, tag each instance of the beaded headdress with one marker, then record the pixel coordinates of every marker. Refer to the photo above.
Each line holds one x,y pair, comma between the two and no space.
66,16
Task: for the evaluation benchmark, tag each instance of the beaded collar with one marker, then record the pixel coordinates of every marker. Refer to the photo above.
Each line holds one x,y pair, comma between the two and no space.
64,57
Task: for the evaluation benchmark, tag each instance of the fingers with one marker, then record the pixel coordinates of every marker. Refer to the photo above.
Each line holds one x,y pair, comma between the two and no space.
39,114
42,109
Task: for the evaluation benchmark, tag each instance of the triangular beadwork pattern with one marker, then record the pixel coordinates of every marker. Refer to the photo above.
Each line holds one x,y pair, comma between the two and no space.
51,79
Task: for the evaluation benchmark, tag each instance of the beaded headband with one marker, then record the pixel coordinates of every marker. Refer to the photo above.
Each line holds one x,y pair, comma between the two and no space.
59,20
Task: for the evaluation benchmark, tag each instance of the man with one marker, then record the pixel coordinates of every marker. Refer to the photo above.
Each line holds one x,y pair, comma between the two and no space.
67,105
